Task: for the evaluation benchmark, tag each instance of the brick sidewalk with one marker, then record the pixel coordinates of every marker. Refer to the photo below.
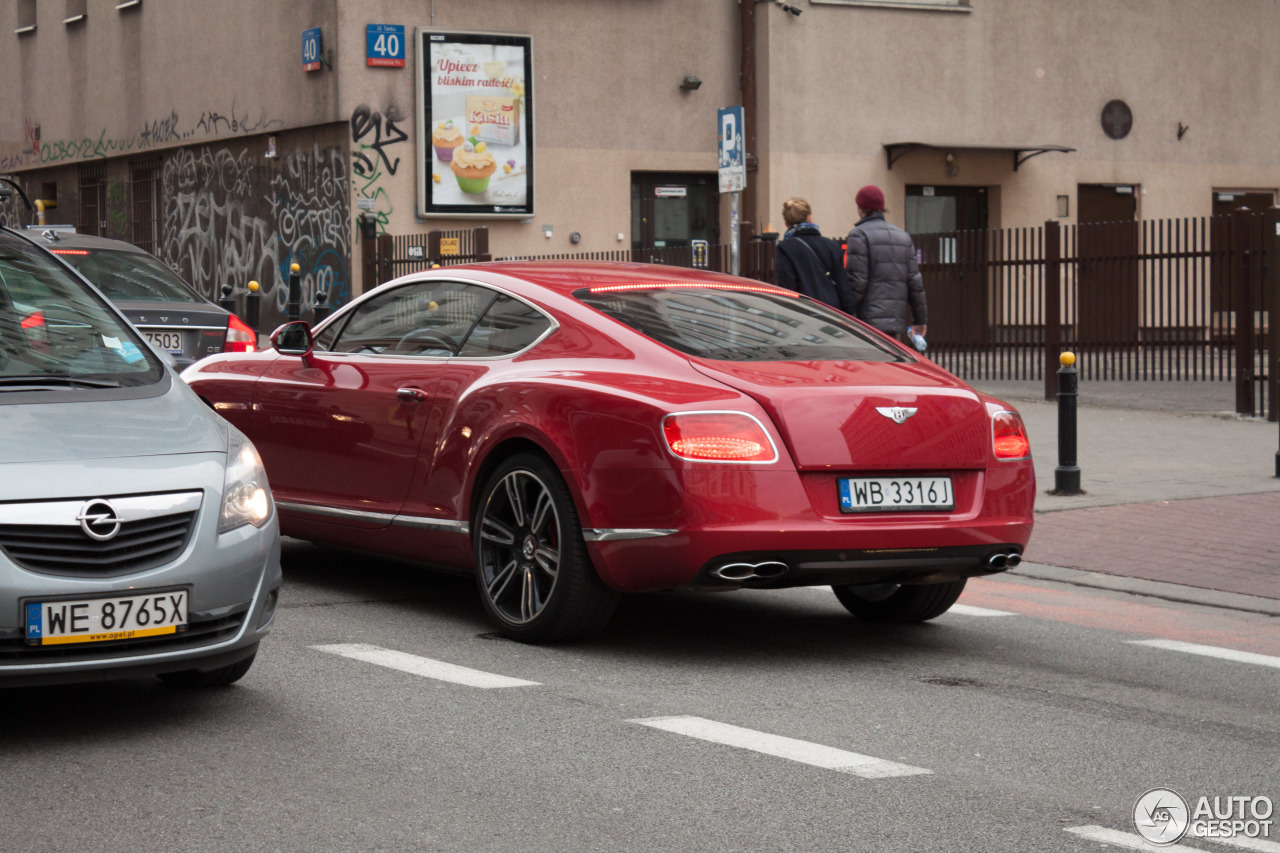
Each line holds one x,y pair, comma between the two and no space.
1227,543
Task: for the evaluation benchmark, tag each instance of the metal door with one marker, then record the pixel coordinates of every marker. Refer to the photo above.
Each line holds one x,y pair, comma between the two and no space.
1107,268
669,210
946,224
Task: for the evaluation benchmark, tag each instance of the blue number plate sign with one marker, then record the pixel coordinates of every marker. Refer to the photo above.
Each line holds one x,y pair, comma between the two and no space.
311,49
384,45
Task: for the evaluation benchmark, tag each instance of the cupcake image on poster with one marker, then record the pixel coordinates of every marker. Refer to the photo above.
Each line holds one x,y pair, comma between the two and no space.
445,138
473,165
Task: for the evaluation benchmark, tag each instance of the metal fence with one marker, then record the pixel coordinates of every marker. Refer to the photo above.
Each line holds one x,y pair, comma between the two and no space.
1179,300
1155,300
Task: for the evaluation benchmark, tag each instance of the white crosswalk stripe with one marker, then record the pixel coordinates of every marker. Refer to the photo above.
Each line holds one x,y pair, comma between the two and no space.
425,667
804,752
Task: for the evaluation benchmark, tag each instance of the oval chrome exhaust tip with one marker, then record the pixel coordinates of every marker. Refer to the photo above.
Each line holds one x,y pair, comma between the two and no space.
736,572
998,561
771,569
1012,561
742,572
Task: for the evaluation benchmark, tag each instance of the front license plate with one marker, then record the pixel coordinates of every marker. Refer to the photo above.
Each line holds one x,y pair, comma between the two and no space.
169,341
96,620
892,494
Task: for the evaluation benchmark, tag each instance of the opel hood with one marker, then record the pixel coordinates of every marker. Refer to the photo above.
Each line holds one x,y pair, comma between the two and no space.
170,423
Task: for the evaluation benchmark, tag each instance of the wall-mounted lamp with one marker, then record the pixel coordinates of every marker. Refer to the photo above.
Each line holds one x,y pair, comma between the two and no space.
786,7
689,83
575,237
953,165
546,231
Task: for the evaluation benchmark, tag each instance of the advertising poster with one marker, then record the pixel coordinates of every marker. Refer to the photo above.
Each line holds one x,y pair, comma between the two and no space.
475,124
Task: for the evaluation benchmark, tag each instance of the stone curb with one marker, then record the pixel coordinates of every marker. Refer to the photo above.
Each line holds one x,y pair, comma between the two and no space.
1152,589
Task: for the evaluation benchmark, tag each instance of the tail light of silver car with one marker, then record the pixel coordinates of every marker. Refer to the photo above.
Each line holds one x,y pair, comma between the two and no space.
240,338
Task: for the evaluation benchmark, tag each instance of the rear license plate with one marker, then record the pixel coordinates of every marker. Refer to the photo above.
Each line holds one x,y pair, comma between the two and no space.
886,494
96,620
168,341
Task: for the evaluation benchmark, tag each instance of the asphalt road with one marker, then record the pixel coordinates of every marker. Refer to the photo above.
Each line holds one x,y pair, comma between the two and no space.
1031,717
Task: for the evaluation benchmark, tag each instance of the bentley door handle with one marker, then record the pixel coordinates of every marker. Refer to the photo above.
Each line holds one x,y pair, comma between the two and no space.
411,395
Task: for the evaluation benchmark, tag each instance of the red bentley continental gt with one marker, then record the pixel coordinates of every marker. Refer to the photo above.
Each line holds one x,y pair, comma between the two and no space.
572,431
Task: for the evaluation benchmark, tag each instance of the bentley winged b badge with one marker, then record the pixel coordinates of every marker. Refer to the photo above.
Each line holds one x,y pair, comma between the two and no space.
897,414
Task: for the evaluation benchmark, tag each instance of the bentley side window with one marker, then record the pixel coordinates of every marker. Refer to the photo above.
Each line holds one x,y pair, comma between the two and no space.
509,326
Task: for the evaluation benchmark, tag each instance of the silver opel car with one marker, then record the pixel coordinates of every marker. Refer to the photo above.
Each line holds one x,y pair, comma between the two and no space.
137,531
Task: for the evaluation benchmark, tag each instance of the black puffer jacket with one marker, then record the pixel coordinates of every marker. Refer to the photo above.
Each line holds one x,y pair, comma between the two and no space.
884,276
809,263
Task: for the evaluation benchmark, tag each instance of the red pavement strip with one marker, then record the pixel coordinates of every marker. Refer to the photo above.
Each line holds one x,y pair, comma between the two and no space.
1246,632
1225,543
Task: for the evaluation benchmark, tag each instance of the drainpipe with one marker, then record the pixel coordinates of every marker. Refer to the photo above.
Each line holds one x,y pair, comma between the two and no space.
41,206
747,77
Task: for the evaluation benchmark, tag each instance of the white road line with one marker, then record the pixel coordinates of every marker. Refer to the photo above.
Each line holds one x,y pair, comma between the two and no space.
426,667
814,754
1212,651
1124,839
970,610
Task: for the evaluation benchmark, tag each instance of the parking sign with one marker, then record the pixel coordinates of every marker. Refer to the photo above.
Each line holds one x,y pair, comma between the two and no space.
733,150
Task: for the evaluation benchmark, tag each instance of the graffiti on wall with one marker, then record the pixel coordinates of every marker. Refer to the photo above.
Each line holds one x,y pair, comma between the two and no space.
372,135
161,130
230,219
10,216
309,206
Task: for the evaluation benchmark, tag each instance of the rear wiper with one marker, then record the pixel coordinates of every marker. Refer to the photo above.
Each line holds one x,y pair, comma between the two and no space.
43,382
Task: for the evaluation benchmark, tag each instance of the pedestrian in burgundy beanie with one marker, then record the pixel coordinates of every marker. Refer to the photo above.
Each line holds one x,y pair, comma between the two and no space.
884,275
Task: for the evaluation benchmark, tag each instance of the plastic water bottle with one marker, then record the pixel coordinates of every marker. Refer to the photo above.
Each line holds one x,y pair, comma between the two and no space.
918,340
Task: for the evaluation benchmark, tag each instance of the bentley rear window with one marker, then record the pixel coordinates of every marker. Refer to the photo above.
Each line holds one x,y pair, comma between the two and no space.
739,325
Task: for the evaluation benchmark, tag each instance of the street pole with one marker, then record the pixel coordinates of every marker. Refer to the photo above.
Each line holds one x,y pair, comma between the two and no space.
293,307
733,233
1066,477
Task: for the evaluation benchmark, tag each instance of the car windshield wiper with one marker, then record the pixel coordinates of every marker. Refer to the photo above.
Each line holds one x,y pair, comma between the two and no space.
46,382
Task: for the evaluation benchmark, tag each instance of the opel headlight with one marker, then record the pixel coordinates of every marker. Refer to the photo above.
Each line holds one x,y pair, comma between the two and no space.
246,497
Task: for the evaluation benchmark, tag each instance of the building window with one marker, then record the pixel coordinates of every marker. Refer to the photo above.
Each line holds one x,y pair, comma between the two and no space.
26,17
93,199
75,12
144,181
937,5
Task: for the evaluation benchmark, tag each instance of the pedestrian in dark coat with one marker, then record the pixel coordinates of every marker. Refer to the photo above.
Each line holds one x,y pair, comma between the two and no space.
884,275
809,263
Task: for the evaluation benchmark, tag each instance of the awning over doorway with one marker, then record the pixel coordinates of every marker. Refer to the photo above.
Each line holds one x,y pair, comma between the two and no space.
895,151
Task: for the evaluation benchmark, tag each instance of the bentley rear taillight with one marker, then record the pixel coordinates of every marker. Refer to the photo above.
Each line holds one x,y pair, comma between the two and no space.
717,437
240,338
1009,436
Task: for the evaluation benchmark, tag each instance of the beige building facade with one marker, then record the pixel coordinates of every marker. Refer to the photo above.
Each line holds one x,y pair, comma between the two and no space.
194,127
